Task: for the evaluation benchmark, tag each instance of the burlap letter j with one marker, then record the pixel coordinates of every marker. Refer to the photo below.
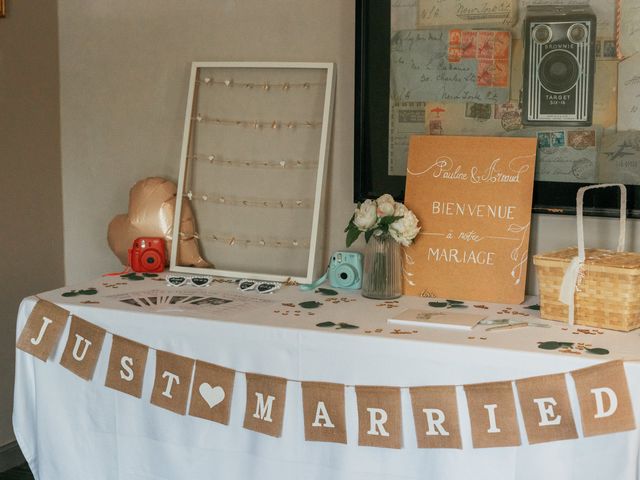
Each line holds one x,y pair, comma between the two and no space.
42,331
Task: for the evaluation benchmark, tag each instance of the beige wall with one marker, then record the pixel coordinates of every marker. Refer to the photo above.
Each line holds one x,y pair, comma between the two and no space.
124,71
30,183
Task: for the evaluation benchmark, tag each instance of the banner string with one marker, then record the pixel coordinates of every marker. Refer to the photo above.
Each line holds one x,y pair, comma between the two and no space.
293,380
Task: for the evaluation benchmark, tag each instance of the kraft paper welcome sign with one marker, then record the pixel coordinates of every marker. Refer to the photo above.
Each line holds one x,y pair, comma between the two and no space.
473,198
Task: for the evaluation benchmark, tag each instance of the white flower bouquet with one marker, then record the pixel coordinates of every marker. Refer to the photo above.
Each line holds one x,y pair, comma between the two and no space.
380,216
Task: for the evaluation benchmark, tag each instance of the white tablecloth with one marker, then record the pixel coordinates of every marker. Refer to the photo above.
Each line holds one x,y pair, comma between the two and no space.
70,429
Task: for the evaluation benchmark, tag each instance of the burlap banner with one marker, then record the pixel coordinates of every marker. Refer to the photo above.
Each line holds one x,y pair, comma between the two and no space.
84,344
172,381
205,390
324,418
212,392
43,329
544,402
605,403
127,362
264,410
435,414
492,410
379,417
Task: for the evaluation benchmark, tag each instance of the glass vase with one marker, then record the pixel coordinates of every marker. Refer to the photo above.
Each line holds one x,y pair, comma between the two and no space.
382,271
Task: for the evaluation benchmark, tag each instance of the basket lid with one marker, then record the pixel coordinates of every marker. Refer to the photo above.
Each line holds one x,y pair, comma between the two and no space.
598,257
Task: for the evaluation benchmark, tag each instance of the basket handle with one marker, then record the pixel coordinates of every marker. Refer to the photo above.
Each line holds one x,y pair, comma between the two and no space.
623,216
571,274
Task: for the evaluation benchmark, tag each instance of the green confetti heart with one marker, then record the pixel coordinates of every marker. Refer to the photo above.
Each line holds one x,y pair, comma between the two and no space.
325,324
346,326
310,304
326,291
72,293
438,304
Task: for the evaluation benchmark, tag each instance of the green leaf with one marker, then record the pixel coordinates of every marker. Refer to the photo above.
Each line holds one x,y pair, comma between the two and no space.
310,304
350,224
135,277
346,326
149,275
352,235
325,324
367,235
455,302
533,307
326,291
438,304
458,305
72,293
88,291
388,220
550,345
598,351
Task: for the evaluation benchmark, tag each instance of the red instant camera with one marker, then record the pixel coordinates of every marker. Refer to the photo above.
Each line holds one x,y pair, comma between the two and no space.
147,254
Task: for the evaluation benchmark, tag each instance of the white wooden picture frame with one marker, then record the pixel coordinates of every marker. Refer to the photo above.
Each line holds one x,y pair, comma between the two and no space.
270,111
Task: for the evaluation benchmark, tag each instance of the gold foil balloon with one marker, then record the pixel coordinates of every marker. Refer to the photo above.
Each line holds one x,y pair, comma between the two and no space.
152,205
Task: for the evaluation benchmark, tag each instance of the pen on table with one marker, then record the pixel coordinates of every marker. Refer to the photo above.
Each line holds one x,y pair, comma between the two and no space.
508,327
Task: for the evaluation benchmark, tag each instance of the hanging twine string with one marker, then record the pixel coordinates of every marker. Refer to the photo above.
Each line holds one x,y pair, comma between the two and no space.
618,26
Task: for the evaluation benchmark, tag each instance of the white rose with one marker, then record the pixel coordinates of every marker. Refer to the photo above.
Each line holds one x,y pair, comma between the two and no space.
386,205
405,229
365,216
400,210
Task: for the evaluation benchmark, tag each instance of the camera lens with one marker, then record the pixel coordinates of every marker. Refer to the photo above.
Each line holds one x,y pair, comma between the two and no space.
559,71
346,274
577,33
151,258
542,34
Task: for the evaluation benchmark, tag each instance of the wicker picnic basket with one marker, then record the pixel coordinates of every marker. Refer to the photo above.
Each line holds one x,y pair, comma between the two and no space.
594,287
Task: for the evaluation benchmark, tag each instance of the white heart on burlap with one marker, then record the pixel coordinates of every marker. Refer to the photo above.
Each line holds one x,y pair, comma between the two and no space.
212,395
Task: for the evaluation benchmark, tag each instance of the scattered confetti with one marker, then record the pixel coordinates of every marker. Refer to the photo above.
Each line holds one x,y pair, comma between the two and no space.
397,331
570,347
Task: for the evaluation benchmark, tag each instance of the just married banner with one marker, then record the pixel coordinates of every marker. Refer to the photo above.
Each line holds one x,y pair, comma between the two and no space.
188,386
